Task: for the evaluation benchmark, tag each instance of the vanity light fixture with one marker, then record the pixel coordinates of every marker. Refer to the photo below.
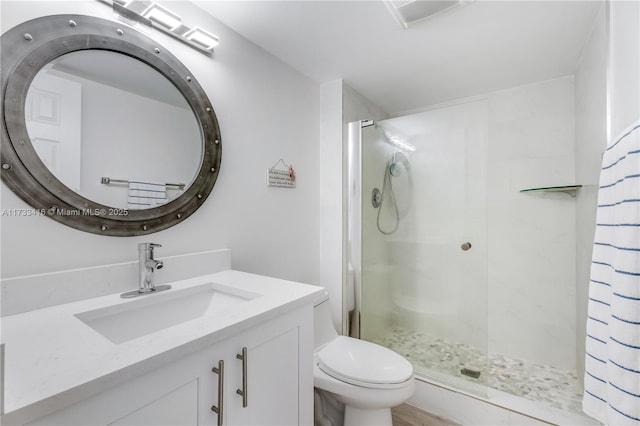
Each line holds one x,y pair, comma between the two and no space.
202,37
144,14
162,16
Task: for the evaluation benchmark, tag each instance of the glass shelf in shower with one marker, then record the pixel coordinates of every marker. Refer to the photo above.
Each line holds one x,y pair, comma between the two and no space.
567,189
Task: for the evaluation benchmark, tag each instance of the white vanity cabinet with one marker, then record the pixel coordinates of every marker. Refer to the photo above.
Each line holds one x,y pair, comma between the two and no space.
278,383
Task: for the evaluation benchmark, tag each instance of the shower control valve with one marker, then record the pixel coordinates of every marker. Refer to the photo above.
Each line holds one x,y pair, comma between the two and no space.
376,198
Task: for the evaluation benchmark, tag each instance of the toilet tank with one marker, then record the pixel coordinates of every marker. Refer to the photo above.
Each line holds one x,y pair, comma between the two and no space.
323,330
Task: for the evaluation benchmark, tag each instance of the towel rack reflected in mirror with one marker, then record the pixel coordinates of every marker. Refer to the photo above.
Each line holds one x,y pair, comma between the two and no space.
107,180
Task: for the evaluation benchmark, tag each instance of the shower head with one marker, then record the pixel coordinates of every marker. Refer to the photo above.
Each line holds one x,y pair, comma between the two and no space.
394,170
394,167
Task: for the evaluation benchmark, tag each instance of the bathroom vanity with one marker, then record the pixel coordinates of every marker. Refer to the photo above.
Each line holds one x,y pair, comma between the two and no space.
225,348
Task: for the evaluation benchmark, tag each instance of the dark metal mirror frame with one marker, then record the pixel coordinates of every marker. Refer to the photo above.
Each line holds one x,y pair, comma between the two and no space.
30,46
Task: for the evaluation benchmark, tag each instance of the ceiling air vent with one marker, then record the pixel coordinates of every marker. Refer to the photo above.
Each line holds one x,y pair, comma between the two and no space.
408,12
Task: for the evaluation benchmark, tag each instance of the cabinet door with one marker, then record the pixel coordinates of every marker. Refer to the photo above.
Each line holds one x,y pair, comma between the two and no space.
177,408
272,381
180,393
132,404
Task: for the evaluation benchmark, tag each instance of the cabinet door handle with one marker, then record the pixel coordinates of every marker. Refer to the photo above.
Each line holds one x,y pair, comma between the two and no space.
219,410
243,392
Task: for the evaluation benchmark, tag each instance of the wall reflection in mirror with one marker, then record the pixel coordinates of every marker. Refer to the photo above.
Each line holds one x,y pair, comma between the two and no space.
92,114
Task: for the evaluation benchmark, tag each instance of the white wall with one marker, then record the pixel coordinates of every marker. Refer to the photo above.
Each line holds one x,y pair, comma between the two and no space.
266,111
331,196
591,138
624,66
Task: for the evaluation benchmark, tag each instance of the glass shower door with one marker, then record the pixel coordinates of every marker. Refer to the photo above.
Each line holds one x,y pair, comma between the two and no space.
421,270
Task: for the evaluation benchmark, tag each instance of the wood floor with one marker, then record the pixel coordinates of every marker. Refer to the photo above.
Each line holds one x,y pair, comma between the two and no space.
408,415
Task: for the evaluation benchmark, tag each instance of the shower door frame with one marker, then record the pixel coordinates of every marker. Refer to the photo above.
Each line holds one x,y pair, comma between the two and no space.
352,267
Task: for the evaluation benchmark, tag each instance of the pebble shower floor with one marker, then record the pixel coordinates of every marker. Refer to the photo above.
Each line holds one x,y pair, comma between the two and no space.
548,385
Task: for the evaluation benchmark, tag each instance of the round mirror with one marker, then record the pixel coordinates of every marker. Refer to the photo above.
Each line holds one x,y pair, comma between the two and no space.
103,129
113,129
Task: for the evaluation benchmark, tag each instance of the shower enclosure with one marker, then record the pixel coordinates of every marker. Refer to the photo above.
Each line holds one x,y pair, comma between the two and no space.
427,262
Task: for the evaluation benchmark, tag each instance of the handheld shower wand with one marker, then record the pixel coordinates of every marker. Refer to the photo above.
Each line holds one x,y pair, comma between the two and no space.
392,169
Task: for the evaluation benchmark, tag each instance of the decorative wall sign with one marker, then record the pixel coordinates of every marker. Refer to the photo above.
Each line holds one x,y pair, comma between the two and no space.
284,178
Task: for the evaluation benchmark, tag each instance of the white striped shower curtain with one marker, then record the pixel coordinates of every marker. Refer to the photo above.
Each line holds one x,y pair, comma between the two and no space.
612,362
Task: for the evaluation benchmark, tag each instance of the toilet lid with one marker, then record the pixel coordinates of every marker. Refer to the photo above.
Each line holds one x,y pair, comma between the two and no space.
359,362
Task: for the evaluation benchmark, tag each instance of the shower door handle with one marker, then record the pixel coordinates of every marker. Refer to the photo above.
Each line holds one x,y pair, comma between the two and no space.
465,246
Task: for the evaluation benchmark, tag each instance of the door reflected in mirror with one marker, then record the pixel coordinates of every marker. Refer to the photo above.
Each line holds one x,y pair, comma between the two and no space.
97,114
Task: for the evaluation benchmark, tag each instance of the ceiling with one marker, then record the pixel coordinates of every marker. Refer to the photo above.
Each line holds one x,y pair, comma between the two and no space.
465,51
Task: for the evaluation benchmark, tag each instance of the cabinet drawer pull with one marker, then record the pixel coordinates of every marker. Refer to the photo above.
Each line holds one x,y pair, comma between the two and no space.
219,410
243,392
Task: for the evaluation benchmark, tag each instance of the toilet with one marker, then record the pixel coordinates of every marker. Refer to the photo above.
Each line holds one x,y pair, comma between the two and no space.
367,378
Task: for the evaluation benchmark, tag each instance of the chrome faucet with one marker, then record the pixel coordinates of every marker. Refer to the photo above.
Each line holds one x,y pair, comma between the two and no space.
147,266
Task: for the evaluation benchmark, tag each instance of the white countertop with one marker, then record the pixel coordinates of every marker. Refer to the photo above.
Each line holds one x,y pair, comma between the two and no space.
53,359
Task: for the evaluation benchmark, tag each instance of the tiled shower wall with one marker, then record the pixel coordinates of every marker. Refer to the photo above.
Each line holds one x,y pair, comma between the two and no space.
531,237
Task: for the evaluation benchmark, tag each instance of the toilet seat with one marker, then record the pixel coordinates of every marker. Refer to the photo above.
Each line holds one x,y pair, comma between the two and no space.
363,363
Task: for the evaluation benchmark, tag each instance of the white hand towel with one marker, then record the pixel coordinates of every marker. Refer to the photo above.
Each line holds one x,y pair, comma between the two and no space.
145,195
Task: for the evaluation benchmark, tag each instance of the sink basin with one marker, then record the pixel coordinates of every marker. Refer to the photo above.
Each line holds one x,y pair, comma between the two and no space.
154,312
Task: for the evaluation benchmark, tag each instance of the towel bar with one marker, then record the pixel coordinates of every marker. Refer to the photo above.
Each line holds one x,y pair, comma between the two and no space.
108,180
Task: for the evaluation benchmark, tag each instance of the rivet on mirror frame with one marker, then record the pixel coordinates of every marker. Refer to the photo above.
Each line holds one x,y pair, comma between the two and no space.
209,109
72,23
104,227
157,51
200,196
28,37
6,166
179,216
120,32
145,227
189,78
216,141
213,169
